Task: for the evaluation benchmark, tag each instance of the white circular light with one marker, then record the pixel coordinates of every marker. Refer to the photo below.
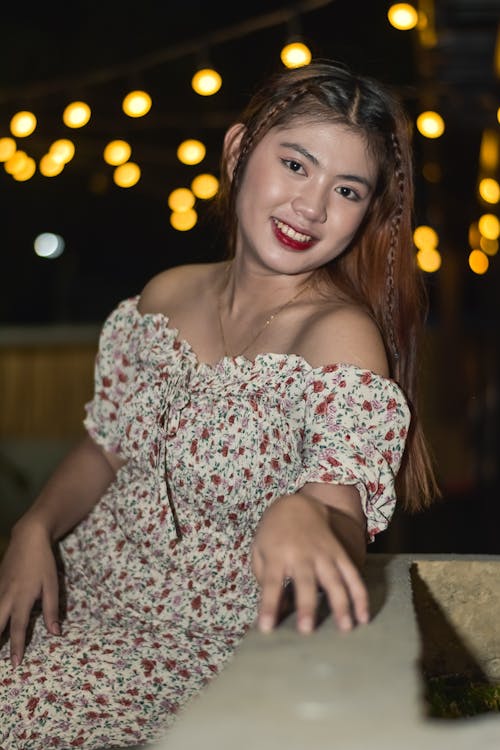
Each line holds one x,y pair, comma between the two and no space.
49,245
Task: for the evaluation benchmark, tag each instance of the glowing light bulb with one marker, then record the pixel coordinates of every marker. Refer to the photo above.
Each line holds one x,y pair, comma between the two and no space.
489,190
295,55
50,167
429,259
425,237
206,82
489,226
62,150
127,175
22,124
117,152
478,262
430,124
402,16
137,104
181,199
191,151
76,115
7,148
183,221
205,186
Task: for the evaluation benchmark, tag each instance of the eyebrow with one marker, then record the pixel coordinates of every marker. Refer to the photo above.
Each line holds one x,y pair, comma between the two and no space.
313,160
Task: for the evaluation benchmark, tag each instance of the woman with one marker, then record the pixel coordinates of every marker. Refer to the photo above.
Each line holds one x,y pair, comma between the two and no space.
249,420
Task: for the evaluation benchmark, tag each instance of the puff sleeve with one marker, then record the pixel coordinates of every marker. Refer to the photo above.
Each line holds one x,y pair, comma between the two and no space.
114,370
356,424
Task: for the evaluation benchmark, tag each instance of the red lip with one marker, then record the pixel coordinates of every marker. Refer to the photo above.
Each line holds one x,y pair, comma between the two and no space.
289,242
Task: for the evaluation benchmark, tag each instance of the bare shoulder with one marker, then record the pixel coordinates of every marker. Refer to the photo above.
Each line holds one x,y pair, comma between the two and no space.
346,334
165,291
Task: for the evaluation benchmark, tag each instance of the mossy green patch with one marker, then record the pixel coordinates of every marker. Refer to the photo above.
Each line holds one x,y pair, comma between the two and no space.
455,697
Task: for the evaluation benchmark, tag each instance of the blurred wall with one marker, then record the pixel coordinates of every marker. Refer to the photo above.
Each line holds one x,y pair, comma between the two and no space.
46,377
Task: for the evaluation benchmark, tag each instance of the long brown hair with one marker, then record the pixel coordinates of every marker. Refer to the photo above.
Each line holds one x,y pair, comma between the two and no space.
378,270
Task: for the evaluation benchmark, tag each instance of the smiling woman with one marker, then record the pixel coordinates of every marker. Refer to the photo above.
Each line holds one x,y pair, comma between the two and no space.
253,422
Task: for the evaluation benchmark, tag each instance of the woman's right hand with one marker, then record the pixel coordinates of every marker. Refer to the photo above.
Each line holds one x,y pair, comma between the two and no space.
28,574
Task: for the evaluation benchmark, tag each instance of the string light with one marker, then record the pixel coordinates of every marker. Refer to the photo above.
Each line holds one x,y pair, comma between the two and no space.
402,16
430,124
205,186
127,175
489,226
425,237
489,151
76,115
62,150
428,256
295,55
27,170
429,260
478,262
206,82
489,190
7,148
490,247
117,152
137,104
191,151
181,200
16,162
183,221
22,124
50,167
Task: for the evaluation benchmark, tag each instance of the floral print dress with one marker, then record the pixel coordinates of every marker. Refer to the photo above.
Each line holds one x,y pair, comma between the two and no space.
158,584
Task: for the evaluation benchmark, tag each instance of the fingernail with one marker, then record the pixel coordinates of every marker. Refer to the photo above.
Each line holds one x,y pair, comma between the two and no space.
15,660
56,628
305,625
345,623
363,618
266,624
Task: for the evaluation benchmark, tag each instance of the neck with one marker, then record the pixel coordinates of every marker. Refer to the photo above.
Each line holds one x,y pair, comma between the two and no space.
244,308
243,288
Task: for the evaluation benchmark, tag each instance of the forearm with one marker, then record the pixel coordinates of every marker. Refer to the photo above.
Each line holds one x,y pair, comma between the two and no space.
71,492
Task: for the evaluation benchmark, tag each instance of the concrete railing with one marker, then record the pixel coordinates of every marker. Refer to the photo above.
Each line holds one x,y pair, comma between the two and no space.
363,689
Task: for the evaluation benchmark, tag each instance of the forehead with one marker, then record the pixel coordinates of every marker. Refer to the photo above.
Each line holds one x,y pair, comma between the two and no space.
325,141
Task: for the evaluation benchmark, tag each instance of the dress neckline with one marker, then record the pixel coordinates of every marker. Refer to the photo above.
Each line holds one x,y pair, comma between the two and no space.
242,362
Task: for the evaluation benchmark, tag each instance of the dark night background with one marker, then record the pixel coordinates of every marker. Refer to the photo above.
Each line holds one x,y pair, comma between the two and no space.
117,238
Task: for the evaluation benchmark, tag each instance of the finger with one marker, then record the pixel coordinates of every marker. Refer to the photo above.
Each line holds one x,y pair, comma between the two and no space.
18,627
356,587
50,607
257,565
306,599
334,585
270,599
4,617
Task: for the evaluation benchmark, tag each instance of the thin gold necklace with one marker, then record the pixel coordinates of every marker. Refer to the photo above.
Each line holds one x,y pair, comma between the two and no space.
261,330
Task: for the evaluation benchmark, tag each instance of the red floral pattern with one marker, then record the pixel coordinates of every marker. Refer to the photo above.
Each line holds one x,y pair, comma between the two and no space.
158,581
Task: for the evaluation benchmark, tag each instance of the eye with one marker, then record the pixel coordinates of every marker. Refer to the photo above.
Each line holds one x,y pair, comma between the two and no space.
292,165
349,193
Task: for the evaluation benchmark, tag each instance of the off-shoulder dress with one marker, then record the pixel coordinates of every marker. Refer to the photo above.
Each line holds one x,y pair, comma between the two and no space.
158,584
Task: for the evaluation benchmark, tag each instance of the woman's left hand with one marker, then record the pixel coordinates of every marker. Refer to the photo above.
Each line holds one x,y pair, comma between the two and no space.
295,540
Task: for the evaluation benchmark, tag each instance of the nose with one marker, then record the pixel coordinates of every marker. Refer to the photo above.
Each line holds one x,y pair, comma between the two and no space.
311,204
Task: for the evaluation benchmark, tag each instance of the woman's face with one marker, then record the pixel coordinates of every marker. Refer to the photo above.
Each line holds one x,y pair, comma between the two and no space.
304,193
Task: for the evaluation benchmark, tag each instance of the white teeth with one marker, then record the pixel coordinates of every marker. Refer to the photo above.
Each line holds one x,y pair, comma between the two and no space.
297,236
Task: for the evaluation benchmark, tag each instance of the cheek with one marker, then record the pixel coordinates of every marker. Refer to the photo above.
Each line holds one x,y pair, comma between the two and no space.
259,189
